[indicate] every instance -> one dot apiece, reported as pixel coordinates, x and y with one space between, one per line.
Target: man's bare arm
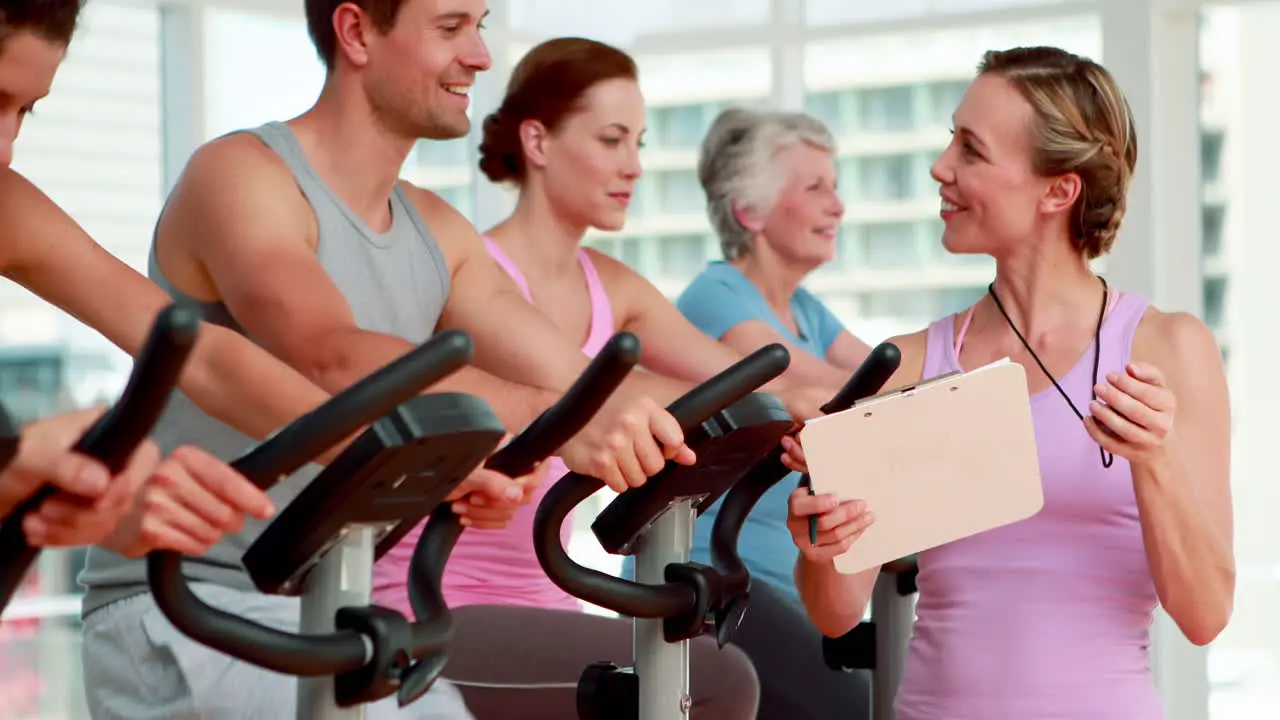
513 339
631 436
238 213
227 376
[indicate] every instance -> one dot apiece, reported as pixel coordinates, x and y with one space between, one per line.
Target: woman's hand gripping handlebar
623 596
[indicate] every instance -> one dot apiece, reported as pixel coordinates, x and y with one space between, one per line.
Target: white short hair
736 166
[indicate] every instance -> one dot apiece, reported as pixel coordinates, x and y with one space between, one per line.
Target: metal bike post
893 615
662 667
342 578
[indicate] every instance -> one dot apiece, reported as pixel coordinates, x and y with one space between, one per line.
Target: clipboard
936 462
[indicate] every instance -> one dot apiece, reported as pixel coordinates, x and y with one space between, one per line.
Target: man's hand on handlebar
45 458
627 442
188 503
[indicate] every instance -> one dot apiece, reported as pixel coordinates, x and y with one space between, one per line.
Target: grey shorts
137 666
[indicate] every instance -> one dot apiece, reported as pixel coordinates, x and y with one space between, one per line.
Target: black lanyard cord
1107 457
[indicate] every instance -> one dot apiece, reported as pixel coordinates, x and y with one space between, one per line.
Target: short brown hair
53 20
547 85
320 22
1084 125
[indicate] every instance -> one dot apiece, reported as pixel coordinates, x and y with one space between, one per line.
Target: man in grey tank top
301 236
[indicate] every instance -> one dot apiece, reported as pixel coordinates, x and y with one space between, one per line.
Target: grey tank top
396 282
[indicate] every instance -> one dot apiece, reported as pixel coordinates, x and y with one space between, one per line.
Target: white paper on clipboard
939 461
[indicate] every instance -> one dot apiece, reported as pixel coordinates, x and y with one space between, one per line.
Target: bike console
391 477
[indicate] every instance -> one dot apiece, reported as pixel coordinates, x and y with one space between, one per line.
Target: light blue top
717 300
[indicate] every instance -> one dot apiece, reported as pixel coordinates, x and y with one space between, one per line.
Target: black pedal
855 650
907 583
728 617
392 476
608 692
904 571
728 446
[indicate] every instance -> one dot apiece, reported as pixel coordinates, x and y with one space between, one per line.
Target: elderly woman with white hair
770 181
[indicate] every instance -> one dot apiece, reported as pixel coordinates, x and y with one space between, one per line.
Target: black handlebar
559 423
113 438
736 382
305 438
738 503
624 596
367 400
868 379
546 434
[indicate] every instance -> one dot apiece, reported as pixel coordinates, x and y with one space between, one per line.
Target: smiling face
589 165
993 199
28 63
802 224
991 196
418 75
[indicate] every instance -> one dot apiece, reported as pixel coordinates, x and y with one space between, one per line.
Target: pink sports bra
498 567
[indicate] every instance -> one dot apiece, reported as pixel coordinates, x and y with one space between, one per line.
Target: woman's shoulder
807 299
914 341
614 274
911 348
719 272
604 262
1177 337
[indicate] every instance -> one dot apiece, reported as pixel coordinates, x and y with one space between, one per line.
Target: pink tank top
1048 618
498 567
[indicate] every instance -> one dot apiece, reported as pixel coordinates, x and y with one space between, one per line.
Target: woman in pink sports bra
1049 618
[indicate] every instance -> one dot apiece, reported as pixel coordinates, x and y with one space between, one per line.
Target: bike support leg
342 578
662 667
893 614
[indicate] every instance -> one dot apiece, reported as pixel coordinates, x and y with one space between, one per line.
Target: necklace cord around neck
1107 458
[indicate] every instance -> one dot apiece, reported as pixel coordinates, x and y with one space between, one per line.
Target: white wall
1252 227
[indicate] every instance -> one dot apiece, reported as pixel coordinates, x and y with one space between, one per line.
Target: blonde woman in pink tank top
1049 618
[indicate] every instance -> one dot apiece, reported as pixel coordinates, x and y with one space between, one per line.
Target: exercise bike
323 545
736 433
